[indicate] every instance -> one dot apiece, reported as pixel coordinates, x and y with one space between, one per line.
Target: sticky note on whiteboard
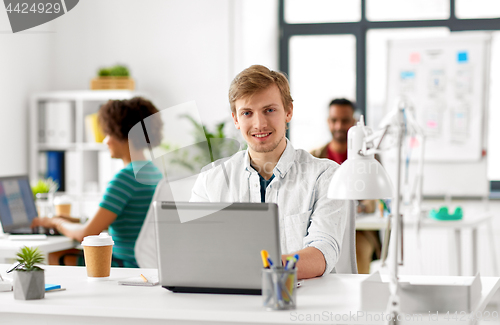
462 57
415 57
404 75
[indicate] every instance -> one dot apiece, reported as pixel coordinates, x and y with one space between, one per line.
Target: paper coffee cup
62 205
98 251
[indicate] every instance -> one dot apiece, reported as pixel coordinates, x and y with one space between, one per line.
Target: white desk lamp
361 177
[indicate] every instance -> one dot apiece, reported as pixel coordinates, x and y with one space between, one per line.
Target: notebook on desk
17 205
215 247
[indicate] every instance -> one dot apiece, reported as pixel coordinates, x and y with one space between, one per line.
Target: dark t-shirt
263 186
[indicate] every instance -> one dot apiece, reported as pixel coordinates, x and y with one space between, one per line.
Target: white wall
177 51
255 35
25 67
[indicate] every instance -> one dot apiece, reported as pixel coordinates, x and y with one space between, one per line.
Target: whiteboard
446 80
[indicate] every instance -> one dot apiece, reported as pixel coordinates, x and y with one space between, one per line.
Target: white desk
375 222
109 303
9 248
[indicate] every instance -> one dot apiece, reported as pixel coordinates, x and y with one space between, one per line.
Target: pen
296 259
291 262
265 256
144 278
270 262
290 281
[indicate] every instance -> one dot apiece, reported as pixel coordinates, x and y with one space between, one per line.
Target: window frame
360 29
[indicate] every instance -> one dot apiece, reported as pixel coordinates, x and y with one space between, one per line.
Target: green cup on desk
279 290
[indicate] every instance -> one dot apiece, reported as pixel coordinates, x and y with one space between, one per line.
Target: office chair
347 259
146 251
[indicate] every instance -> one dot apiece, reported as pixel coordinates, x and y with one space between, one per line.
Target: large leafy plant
28 257
194 157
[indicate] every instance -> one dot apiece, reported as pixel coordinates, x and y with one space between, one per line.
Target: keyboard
28 237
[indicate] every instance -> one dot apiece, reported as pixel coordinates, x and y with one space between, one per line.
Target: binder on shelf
93 131
55 167
72 169
42 165
42 136
107 168
59 122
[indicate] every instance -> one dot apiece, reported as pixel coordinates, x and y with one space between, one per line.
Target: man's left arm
323 241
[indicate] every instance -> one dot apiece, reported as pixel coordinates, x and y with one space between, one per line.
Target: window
393 10
314 26
321 68
467 9
322 11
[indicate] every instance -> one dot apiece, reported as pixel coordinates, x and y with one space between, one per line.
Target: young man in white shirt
271 170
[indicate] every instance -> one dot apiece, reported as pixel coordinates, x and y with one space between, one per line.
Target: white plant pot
29 285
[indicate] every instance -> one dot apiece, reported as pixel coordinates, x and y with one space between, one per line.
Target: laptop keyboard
30 231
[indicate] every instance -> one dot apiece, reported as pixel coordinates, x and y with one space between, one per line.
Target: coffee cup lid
62 200
102 240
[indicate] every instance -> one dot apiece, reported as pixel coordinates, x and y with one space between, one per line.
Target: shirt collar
283 165
286 160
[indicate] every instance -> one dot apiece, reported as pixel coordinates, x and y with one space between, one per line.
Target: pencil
144 278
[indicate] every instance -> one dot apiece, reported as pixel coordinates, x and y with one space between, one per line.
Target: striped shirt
129 195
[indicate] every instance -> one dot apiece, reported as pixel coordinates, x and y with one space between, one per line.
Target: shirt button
256 185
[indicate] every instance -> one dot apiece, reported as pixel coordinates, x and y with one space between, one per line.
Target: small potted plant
29 279
115 77
43 191
44 186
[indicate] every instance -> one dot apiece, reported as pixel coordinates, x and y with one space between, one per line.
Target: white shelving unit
86 178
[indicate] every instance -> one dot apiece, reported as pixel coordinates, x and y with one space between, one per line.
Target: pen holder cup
279 288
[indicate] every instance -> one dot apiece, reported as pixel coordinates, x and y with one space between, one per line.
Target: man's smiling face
262 119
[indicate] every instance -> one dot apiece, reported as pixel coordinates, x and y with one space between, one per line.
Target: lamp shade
360 177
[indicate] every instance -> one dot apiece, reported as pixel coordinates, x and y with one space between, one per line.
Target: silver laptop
17 205
215 247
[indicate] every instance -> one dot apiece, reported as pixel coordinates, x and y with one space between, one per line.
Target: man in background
340 119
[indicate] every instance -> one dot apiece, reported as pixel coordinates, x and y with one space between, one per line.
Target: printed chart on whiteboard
446 81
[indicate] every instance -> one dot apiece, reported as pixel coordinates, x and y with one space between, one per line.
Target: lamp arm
393 306
376 135
371 152
419 181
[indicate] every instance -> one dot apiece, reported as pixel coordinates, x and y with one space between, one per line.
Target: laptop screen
17 206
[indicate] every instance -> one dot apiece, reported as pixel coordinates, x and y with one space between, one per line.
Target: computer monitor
17 205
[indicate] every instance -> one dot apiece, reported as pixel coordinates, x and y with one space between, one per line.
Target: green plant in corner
28 257
194 159
201 134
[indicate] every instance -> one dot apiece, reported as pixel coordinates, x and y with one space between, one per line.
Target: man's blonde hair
257 78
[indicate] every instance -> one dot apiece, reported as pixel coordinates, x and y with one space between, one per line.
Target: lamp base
423 295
